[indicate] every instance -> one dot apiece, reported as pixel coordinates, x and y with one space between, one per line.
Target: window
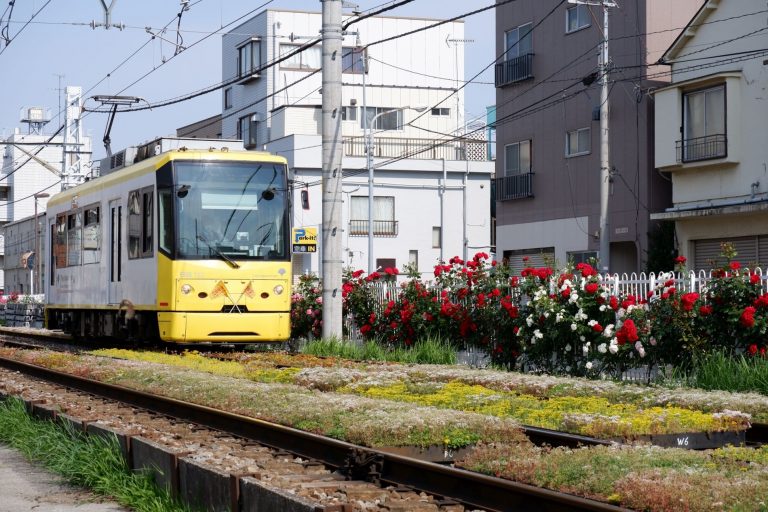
228 97
60 241
140 223
441 111
165 220
349 113
704 124
437 237
518 41
578 142
517 158
309 59
353 60
388 118
4 193
91 234
576 257
413 258
74 238
247 130
249 58
576 18
384 223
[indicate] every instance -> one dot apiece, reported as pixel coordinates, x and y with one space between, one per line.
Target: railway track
472 490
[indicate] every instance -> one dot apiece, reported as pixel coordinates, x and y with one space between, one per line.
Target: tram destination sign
303 240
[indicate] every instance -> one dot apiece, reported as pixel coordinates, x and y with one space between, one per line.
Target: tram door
115 251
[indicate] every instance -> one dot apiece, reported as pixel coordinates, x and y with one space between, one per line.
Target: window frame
520 170
253 130
251 71
358 55
514 52
568 153
300 55
378 123
141 223
705 90
440 111
576 8
227 98
92 220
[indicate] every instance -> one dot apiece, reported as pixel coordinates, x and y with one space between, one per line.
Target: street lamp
369 124
36 276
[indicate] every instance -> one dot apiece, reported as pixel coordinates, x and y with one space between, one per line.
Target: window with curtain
517 158
704 124
309 59
705 113
518 41
383 215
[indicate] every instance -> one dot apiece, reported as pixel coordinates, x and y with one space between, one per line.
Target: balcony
514 70
517 186
380 228
702 148
420 149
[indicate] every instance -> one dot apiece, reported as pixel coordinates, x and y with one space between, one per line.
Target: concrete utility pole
332 171
604 255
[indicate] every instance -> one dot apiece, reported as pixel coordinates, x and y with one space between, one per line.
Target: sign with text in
303 240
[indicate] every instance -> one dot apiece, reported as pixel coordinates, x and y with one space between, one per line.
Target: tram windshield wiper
232 263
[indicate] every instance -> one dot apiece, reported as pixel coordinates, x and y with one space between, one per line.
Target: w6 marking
682 441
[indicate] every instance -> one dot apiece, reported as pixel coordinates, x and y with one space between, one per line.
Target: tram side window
60 241
165 221
140 228
74 238
91 235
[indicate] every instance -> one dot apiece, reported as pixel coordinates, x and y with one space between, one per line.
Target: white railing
691 281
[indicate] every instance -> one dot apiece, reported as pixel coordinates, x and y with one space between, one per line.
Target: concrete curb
194 483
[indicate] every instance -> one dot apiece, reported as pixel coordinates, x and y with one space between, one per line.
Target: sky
59 48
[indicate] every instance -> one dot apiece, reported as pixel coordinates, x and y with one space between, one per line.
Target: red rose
688 299
705 310
747 318
597 328
752 349
734 265
591 288
680 260
365 329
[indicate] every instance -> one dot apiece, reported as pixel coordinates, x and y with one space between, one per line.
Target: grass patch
728 373
87 461
427 351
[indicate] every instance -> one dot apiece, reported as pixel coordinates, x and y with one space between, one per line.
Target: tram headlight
186 289
278 289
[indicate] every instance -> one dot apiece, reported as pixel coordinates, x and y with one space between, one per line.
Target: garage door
539 257
751 251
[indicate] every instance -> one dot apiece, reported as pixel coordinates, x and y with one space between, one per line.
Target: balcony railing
514 70
420 149
702 148
380 228
517 186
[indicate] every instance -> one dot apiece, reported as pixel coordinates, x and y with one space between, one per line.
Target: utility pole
605 163
332 171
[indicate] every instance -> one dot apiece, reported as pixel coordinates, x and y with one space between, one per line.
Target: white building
31 167
431 200
711 125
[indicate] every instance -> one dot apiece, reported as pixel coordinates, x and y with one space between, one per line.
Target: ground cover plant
427 351
643 478
603 410
93 462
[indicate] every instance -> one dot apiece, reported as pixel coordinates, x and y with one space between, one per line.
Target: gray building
548 129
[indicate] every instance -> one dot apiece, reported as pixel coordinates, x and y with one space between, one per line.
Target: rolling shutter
751 251
539 257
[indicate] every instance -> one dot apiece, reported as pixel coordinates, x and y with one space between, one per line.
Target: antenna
456 42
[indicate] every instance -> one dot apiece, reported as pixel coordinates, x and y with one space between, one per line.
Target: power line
9 41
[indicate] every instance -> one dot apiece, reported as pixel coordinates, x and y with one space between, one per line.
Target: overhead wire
9 41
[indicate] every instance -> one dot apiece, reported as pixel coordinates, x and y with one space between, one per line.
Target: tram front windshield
231 211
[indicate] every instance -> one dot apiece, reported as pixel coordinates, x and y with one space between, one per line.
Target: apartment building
431 197
548 167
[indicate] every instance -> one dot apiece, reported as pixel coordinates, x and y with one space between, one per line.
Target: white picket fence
692 281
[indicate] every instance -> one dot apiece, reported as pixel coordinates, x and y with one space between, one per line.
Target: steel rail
472 489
